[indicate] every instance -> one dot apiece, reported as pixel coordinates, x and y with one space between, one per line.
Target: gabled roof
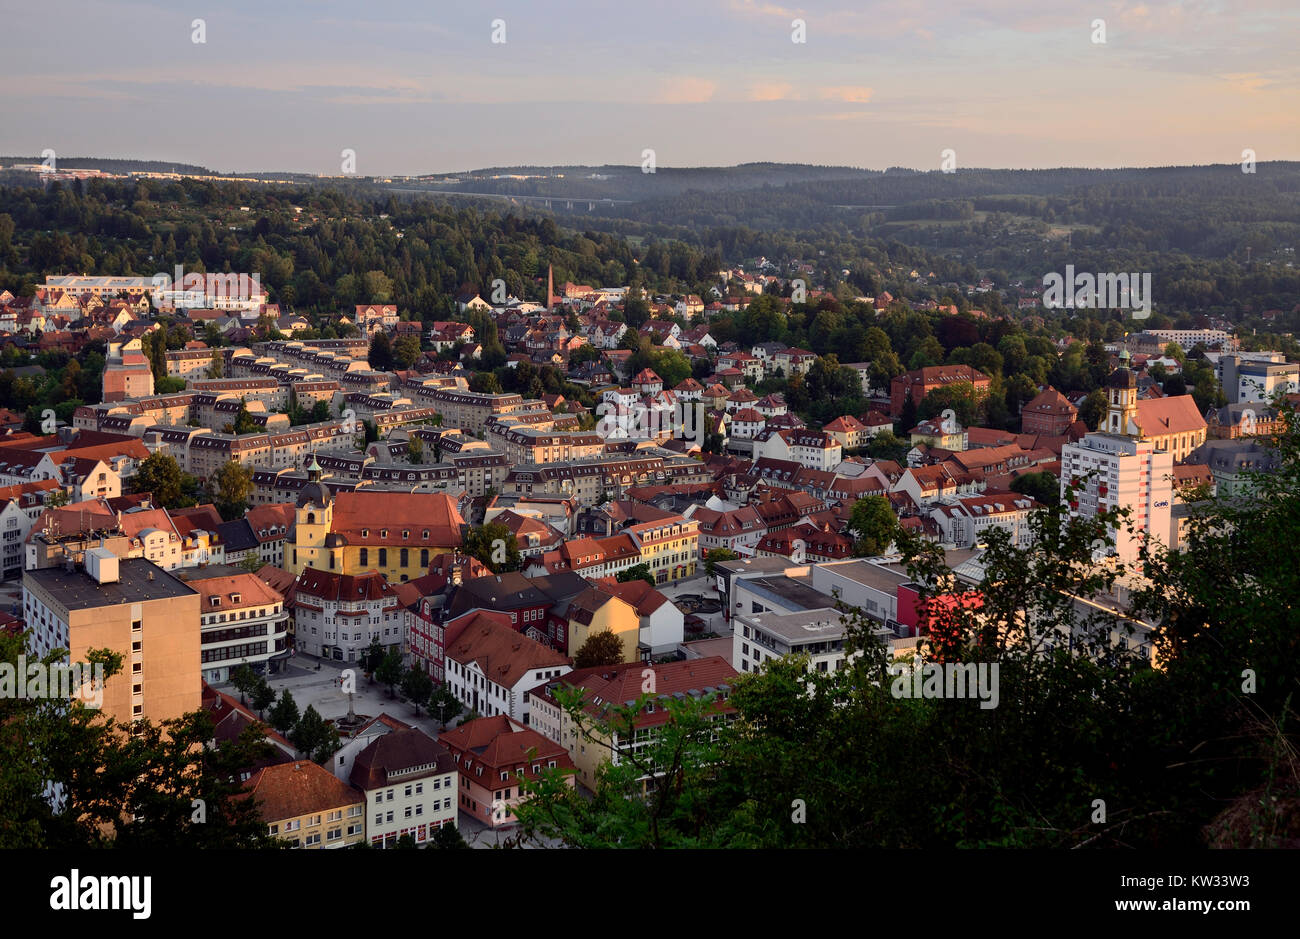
1172 415
397 752
502 654
289 790
499 743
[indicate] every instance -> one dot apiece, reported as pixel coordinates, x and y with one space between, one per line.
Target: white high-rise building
1117 468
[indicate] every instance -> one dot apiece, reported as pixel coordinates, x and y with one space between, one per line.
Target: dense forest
1216 244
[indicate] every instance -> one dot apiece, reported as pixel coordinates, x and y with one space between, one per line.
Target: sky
419 86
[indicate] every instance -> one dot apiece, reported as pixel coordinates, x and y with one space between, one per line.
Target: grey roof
237 535
821 624
139 580
796 591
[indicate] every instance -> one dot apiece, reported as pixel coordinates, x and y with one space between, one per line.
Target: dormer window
215 601
383 533
365 533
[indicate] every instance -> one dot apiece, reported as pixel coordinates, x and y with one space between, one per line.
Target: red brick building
1050 413
922 381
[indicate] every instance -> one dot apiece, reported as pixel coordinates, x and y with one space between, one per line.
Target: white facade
480 693
818 634
663 629
411 803
1114 471
963 522
344 630
240 634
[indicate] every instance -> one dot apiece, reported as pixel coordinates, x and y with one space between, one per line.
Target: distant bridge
548 201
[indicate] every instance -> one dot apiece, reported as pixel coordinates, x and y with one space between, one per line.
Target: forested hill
107 165
1217 241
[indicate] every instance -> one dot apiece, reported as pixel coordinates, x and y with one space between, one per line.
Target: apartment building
134 608
244 621
920 382
490 665
337 616
409 783
493 755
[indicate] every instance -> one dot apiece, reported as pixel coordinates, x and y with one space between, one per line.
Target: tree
417 686
56 499
314 737
405 351
718 554
389 671
233 485
415 450
636 572
447 837
262 696
245 680
284 715
1093 410
886 446
602 648
444 705
380 355
494 544
244 422
959 397
1042 487
873 522
218 365
372 657
252 563
160 474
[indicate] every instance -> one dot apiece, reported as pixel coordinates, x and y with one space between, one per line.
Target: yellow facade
400 559
616 616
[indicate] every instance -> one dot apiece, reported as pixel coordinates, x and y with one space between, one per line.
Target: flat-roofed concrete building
134 608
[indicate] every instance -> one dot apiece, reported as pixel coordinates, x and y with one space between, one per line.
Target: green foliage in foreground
1089 745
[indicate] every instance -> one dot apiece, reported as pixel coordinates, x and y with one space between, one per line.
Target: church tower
312 544
1121 392
550 288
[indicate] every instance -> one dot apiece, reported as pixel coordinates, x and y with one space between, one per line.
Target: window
383 557
313 840
365 556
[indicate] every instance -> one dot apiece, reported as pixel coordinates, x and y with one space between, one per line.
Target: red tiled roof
289 790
